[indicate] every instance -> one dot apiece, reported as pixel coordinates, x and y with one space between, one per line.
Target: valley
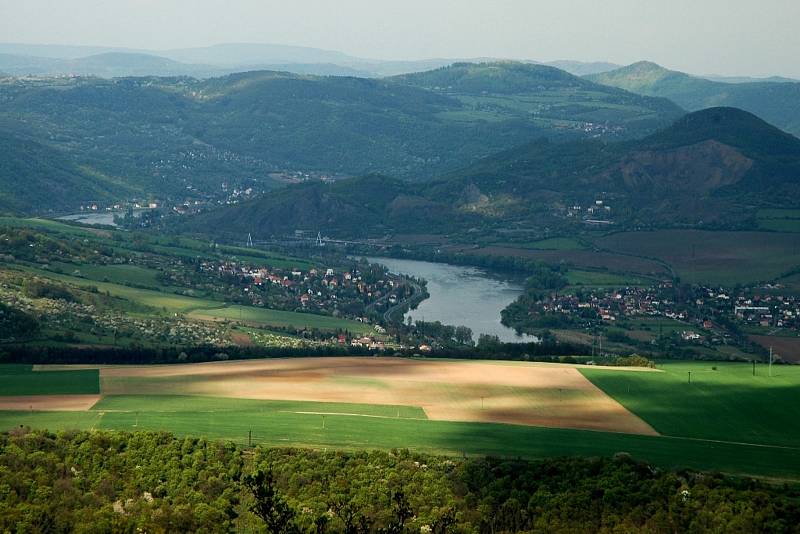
251 287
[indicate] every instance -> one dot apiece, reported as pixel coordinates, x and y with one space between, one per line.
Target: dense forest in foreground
156 482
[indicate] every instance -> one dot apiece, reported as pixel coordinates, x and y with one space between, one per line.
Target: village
353 293
710 313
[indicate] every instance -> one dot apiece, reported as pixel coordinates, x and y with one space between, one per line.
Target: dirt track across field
504 392
51 403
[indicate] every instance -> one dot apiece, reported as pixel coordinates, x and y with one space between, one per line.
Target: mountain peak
496 76
645 66
731 126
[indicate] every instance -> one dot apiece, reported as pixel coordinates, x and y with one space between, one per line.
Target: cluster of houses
598 211
778 311
613 304
702 308
322 290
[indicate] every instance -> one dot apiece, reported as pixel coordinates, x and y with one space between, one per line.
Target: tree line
98 481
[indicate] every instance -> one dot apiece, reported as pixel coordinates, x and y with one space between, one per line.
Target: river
99 217
91 217
461 296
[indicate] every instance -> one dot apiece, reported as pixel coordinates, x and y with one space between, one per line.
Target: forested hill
714 166
35 178
545 93
170 135
777 102
373 205
155 482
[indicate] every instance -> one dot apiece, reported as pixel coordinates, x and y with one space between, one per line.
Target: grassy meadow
714 257
726 404
21 380
354 427
779 220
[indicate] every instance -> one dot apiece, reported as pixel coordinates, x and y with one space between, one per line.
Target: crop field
715 257
722 421
649 328
21 380
603 279
556 243
544 395
727 403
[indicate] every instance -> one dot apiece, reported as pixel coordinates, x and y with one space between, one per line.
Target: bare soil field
513 392
50 403
788 348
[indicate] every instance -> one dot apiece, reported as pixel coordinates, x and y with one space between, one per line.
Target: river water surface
461 296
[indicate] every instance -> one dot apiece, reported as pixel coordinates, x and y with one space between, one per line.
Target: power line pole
770 362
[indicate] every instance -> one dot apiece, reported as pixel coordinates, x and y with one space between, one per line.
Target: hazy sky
747 37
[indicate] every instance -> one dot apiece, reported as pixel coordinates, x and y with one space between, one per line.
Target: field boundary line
358 415
740 443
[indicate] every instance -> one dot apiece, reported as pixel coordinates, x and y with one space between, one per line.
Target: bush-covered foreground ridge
155 482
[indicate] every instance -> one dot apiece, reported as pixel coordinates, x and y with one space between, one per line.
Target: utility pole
769 372
250 438
754 368
690 377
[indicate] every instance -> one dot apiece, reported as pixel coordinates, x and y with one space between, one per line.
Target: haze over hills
712 167
167 136
775 102
227 58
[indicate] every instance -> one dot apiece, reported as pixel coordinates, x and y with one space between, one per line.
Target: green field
729 404
243 409
116 274
556 243
48 225
779 220
724 258
21 380
273 423
266 317
725 420
602 278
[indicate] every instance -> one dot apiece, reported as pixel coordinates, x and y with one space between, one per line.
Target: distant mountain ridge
227 58
775 102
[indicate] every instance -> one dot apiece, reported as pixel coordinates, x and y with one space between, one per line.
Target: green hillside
777 102
715 166
548 95
169 135
35 178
